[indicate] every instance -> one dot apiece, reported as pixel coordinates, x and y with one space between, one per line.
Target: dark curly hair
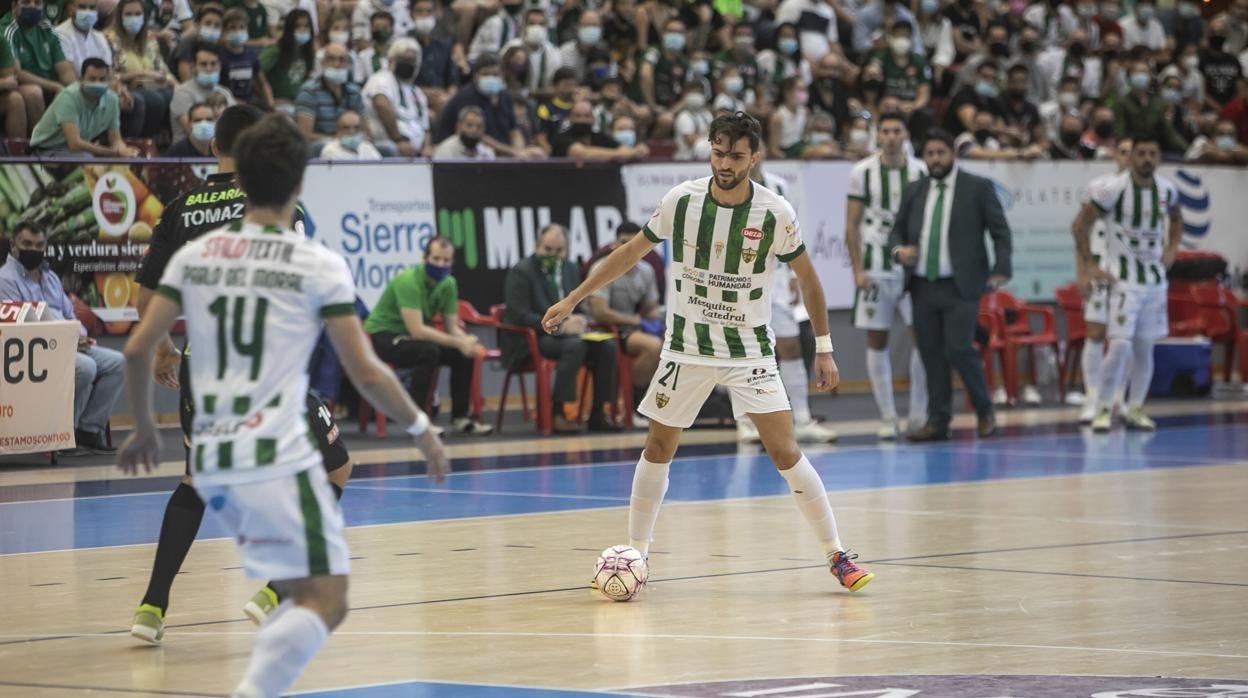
734 127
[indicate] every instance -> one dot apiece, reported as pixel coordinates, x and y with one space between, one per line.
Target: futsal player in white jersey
1145 225
727 235
1096 296
254 295
875 185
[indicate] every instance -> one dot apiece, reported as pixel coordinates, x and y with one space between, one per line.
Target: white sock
812 501
918 391
793 375
1141 370
881 373
282 650
1112 372
649 486
1093 357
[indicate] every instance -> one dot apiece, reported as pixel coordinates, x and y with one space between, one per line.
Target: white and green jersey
254 298
1136 220
879 188
719 276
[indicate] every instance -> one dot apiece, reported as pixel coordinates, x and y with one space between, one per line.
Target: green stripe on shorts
313 527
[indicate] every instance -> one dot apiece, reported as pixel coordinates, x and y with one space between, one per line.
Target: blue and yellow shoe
849 574
149 624
261 605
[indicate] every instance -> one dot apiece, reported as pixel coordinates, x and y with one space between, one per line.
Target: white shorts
1137 312
678 390
288 527
1096 305
877 306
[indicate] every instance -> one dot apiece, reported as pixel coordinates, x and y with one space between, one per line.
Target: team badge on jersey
661 399
748 255
719 249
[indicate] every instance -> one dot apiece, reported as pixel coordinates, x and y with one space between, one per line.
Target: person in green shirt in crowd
42 69
13 96
742 56
1140 111
80 114
289 63
662 75
907 77
401 327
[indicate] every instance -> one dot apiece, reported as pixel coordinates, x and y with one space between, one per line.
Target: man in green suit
536 283
938 236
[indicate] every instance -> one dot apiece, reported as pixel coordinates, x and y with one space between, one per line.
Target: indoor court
1045 562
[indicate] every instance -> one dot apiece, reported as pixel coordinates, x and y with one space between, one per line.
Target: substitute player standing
875 185
1145 224
254 295
727 236
200 211
1096 296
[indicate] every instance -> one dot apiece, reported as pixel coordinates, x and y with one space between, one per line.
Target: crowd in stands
630 79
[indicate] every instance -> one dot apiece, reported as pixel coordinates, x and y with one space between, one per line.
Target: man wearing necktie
938 236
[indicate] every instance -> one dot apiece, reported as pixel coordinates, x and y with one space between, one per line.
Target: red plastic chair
1220 311
995 346
542 368
1184 314
1019 334
1070 301
17 147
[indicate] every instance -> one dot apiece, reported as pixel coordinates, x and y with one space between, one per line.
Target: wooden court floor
1045 552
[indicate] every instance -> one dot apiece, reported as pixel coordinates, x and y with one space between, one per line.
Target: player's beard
729 180
1146 170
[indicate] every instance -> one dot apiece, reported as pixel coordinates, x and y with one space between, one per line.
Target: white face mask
1068 100
425 25
341 37
535 35
900 45
859 137
695 101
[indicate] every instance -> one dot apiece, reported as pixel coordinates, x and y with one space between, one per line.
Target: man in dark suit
938 236
535 284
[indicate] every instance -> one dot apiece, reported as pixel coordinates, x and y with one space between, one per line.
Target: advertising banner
1215 206
493 212
37 381
378 216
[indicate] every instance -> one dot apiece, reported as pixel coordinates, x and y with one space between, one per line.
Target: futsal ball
620 572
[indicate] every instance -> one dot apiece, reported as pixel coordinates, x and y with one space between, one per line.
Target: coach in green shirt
40 59
404 336
80 114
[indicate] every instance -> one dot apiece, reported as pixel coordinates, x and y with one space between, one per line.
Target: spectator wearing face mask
142 70
43 71
348 142
381 33
878 14
982 143
439 72
577 139
398 113
968 27
1220 68
1142 112
209 19
202 85
742 59
323 99
1236 111
1066 100
936 37
465 143
1188 65
816 19
574 53
1186 24
1072 62
858 138
552 112
79 115
1086 13
486 93
1021 118
202 123
1054 20
288 63
979 97
1178 110
829 92
362 25
1099 138
240 64
1222 146
729 89
662 73
1142 28
544 57
906 76
782 60
494 31
79 38
994 48
788 122
257 22
1065 145
692 125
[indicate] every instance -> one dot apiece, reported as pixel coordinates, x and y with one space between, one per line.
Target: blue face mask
983 88
628 138
929 7
1225 142
94 90
85 19
589 34
207 80
1140 81
29 16
210 36
336 76
303 37
132 24
435 272
203 131
352 141
787 46
674 41
237 38
490 85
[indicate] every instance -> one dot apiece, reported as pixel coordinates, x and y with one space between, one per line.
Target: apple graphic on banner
114 205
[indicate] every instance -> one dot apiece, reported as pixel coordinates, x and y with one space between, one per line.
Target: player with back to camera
255 294
727 236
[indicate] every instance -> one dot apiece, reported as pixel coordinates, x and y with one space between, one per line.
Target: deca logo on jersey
752 234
